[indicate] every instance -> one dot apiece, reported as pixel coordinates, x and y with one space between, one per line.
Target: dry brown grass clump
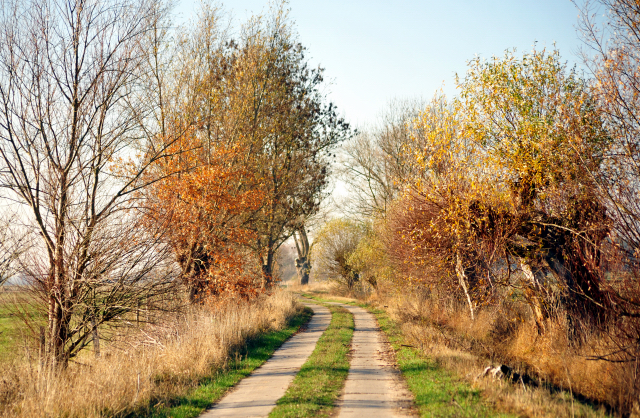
319 287
162 362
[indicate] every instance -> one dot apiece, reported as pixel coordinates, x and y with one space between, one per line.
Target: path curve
256 395
374 387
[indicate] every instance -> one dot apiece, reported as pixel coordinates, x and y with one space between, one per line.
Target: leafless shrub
73 156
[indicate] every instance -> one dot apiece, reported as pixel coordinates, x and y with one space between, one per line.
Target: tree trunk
96 338
302 267
58 335
303 264
267 276
462 279
532 294
267 268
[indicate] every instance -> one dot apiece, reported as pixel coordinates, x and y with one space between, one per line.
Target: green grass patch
13 331
211 389
9 332
317 386
437 391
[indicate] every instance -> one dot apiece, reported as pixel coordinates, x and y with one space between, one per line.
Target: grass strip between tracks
437 391
258 351
316 387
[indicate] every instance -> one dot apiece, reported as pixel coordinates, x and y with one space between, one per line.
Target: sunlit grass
212 388
13 332
160 367
437 391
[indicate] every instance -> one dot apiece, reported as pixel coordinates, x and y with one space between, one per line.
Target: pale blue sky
374 51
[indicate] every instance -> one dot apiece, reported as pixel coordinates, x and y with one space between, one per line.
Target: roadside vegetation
255 352
158 366
449 381
438 392
503 222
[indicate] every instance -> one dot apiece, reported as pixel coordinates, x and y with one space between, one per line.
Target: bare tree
613 56
612 53
376 161
14 242
74 157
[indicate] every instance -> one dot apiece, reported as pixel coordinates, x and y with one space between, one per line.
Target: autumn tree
206 208
292 131
428 232
333 247
542 129
204 211
73 157
254 155
505 182
370 257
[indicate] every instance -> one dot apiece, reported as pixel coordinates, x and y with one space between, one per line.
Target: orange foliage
205 209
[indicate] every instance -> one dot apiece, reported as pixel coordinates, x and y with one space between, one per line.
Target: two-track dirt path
256 395
374 387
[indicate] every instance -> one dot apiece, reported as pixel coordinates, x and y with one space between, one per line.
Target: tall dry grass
444 330
158 363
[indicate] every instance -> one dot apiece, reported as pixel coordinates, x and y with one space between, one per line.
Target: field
14 336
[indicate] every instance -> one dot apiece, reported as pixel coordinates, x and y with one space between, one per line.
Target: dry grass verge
562 372
446 334
161 363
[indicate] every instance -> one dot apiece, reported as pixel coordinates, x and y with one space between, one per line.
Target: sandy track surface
256 395
374 387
